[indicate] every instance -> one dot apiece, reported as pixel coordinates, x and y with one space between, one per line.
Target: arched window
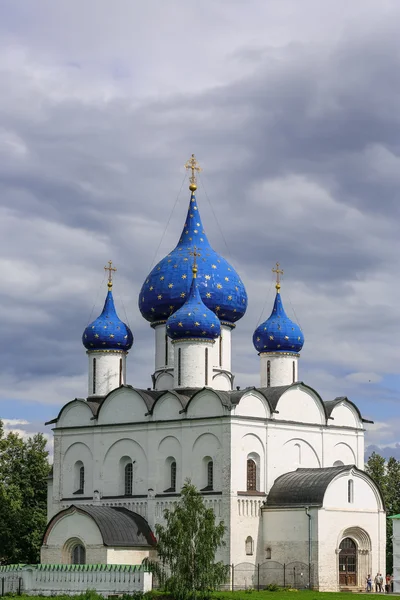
249 545
128 479
338 463
79 477
210 474
206 366
268 553
251 475
78 555
350 491
294 371
173 476
94 376
297 454
179 366
268 373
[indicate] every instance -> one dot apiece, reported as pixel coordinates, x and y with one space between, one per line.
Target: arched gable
253 404
78 452
123 405
365 495
76 413
167 406
345 414
205 403
301 404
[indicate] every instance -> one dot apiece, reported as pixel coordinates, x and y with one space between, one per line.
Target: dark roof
303 487
330 405
119 527
229 399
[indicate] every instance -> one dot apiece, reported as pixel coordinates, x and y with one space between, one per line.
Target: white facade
278 369
107 371
396 554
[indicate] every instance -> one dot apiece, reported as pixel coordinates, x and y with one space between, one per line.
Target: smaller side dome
193 320
108 332
278 333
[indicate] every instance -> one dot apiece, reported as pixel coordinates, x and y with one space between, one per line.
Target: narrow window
94 376
173 476
179 366
128 479
78 556
166 350
294 371
249 545
220 350
350 491
206 366
120 371
251 475
81 479
210 475
268 553
268 373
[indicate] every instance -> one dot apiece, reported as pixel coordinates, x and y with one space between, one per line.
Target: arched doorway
347 562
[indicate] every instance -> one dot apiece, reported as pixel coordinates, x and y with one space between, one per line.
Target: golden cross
194 166
110 270
278 272
195 254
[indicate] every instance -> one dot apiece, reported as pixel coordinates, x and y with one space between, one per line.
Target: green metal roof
41 567
394 517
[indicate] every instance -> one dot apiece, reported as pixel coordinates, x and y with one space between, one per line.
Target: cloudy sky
292 109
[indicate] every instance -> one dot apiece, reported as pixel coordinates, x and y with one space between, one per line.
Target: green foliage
24 469
387 476
186 548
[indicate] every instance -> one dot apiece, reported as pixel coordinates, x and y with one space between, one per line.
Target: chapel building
283 468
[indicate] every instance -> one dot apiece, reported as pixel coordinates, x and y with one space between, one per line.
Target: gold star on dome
185 259
171 307
229 297
226 278
286 337
271 337
151 288
180 324
190 239
96 335
204 315
183 294
105 326
203 333
125 337
184 276
207 276
195 231
194 207
196 324
298 339
208 295
147 281
187 231
175 266
258 339
159 296
152 309
191 216
201 239
212 325
217 308
189 314
219 286
213 266
92 326
170 285
111 335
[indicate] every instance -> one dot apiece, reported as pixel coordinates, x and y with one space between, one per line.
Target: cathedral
281 466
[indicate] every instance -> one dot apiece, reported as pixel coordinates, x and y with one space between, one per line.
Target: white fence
53 580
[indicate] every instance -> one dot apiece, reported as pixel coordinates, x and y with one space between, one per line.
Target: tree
24 469
387 476
186 548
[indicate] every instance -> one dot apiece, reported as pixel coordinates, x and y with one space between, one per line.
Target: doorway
347 563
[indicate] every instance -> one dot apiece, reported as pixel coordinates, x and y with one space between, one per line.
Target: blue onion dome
193 320
278 333
167 287
108 332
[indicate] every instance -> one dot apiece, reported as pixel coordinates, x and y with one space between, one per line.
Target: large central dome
167 287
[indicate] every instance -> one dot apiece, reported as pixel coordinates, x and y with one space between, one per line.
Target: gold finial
278 272
195 254
194 166
110 270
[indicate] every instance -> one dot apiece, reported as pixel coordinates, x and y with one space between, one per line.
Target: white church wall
353 492
301 406
252 404
248 441
127 556
206 448
122 406
77 454
116 457
76 414
344 445
278 369
169 451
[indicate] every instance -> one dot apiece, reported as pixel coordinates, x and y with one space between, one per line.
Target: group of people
378 581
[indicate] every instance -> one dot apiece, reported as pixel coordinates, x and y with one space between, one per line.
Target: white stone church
283 468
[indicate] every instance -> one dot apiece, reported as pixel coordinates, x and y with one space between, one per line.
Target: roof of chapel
119 527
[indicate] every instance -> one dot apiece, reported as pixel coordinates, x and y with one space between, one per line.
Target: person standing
376 582
387 584
369 583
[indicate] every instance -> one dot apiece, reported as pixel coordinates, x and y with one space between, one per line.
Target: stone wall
54 580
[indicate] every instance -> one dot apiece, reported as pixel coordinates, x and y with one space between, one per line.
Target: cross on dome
194 166
110 270
278 272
